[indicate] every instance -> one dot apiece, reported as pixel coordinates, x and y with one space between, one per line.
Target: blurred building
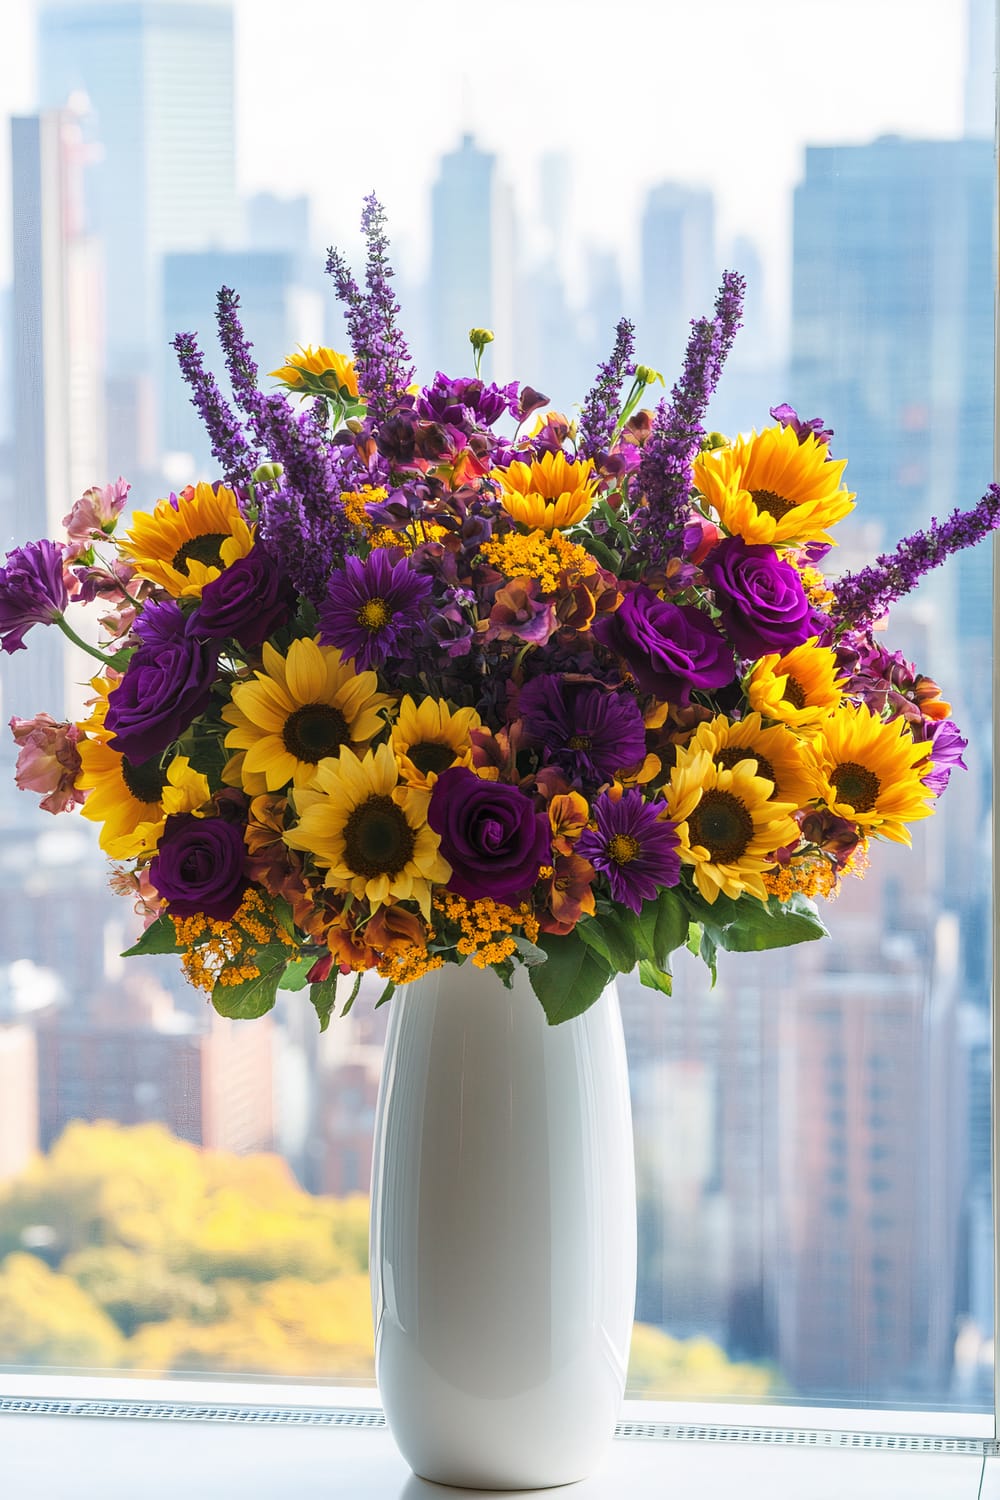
677 270
57 368
347 1091
158 77
472 262
18 1097
131 1056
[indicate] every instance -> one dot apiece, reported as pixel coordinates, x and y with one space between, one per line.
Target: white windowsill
108 1458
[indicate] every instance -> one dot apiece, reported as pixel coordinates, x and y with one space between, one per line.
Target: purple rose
490 834
764 606
199 866
249 601
167 683
32 591
669 649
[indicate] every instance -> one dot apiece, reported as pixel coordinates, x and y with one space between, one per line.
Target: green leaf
615 934
664 925
707 950
572 977
355 987
693 943
776 924
296 976
283 916
323 995
386 994
654 978
528 952
252 998
159 937
603 554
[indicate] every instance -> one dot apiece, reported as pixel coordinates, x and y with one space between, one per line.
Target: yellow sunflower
549 492
867 770
322 371
778 754
800 688
428 737
184 546
728 825
369 832
769 487
300 709
133 800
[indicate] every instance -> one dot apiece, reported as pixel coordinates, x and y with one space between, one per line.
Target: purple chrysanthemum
589 732
370 606
32 591
634 848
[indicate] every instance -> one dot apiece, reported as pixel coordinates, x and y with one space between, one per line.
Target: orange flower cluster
224 953
488 927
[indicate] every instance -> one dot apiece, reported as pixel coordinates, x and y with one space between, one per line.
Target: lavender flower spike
864 597
665 471
381 357
230 447
238 350
600 410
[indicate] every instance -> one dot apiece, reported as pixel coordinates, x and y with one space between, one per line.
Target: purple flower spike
866 596
600 410
673 444
634 848
32 591
588 732
371 606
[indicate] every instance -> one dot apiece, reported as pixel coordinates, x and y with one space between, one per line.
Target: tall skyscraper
158 75
677 269
472 262
59 417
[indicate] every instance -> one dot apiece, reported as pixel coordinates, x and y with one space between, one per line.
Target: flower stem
71 635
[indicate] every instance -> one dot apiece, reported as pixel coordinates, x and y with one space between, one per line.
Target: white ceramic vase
503 1252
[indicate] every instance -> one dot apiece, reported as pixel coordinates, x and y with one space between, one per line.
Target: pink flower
48 761
95 514
137 884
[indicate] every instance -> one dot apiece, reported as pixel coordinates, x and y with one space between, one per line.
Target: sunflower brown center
144 779
731 755
314 731
856 785
722 825
431 758
580 742
623 848
205 549
377 838
374 614
794 693
774 505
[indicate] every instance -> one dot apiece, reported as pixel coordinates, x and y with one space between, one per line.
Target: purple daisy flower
371 606
32 591
634 848
589 732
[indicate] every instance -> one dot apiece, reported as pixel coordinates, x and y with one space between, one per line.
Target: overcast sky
334 99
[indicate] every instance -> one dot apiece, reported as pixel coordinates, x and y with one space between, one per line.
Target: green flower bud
714 440
648 375
268 473
480 337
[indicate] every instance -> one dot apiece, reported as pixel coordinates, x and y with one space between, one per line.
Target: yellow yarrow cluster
356 502
488 927
814 877
537 556
409 964
223 953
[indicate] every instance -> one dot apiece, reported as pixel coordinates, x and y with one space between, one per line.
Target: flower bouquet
435 674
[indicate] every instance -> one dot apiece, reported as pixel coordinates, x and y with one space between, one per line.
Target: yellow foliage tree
47 1319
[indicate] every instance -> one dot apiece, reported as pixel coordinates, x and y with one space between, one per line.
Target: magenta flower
670 649
634 848
371 607
199 866
48 761
32 591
